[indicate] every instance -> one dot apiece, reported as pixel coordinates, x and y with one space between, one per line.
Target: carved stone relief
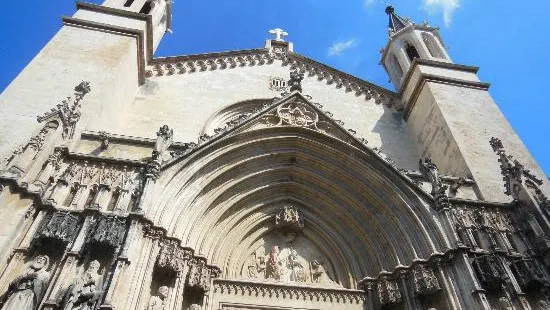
299 114
62 226
108 230
172 256
425 281
388 291
286 257
85 291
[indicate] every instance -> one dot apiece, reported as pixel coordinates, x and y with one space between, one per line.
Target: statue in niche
157 302
84 293
319 273
26 291
295 268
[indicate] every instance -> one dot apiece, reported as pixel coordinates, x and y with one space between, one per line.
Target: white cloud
338 48
368 2
447 6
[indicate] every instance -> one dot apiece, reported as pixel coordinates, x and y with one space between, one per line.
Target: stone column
52 164
151 174
477 291
121 264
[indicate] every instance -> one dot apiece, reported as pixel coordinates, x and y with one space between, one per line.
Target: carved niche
108 230
490 272
62 226
200 274
529 274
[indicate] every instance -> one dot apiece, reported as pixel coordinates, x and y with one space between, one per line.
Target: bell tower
108 45
449 110
408 41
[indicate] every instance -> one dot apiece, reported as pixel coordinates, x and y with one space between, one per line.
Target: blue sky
508 40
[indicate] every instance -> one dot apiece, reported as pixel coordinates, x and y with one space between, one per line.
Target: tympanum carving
289 217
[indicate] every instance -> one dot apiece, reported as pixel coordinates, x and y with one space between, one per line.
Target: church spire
396 22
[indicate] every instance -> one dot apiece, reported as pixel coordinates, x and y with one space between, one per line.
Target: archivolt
361 214
228 113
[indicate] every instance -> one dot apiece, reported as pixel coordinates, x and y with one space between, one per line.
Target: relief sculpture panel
288 257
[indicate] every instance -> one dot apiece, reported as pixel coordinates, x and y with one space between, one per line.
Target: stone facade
260 179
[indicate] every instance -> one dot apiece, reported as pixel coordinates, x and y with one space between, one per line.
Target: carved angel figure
157 302
319 273
85 291
26 291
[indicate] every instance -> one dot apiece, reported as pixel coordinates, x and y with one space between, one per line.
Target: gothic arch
360 214
231 112
431 44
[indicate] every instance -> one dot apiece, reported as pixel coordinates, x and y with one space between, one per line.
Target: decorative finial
279 34
295 82
389 10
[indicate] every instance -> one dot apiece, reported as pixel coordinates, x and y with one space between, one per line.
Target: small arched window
411 51
432 46
397 66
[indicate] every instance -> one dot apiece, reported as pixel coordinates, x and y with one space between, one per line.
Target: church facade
260 179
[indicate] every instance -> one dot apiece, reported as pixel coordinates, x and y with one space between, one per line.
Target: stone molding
173 254
134 33
258 57
284 291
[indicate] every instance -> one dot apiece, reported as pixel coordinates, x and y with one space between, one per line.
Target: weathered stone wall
186 103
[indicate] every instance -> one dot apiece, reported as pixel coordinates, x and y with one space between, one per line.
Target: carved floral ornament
69 110
286 292
253 58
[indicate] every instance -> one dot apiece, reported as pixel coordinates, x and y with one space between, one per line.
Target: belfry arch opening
412 52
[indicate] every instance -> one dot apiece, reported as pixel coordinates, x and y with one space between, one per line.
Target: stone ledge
289 291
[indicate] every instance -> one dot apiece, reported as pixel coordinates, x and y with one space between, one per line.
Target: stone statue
318 272
295 268
256 268
165 136
505 304
157 302
85 291
273 268
194 307
26 291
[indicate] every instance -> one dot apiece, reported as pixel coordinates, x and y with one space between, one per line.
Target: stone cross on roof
279 34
